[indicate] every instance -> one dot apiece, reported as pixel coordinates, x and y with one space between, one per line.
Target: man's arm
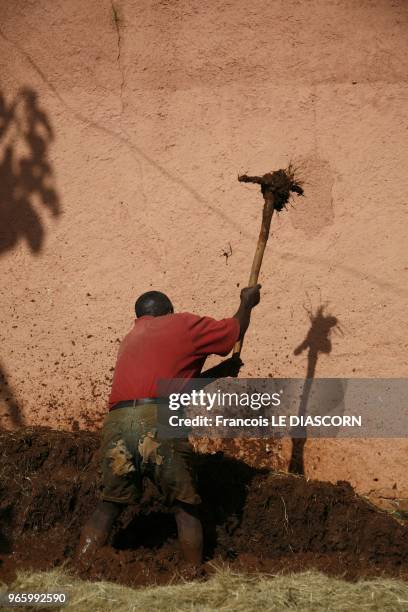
228 367
209 336
250 297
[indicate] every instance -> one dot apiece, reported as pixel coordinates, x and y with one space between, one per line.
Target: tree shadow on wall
26 176
317 341
26 189
7 396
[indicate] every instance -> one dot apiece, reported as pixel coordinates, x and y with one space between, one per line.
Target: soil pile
254 519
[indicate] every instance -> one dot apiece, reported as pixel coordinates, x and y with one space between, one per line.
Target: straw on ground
226 591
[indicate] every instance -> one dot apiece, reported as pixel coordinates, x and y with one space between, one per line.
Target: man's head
153 303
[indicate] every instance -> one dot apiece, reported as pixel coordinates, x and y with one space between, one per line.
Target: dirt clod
280 182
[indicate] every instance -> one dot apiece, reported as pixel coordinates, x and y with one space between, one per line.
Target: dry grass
226 592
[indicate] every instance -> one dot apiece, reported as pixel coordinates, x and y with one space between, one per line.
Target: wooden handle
259 252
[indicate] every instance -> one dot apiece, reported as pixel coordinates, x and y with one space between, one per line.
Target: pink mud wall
145 112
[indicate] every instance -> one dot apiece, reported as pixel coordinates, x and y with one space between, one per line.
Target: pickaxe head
280 184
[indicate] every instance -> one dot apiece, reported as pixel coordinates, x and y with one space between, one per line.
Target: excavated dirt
254 519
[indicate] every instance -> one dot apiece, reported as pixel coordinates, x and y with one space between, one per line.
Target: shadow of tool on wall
26 189
317 341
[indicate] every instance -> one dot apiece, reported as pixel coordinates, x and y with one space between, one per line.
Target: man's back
165 347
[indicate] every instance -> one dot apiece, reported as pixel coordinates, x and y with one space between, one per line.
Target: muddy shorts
132 450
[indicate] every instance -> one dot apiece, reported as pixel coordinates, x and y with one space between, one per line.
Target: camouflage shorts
131 450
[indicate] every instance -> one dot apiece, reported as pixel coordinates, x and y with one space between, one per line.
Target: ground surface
253 519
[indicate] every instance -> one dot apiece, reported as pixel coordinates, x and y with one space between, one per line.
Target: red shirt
170 346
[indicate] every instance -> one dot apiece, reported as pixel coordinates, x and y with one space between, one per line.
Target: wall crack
116 20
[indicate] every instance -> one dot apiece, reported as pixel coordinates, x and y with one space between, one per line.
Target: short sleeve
211 336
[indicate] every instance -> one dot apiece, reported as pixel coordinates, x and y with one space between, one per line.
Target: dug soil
253 519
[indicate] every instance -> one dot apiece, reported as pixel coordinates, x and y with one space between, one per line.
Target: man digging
161 345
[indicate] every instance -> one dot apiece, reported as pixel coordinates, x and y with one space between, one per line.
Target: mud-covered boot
97 530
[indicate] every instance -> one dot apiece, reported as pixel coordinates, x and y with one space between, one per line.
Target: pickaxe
276 188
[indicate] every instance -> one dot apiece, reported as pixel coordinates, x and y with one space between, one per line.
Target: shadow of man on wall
317 341
26 187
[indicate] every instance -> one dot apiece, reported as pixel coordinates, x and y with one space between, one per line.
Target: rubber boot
190 534
96 531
